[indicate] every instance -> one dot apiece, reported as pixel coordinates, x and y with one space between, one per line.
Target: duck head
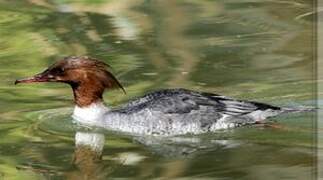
87 76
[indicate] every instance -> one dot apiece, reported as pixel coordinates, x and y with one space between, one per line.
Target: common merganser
163 112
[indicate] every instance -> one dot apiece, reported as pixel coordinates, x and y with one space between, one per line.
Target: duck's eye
58 70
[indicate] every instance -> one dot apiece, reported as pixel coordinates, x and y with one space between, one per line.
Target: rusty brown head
87 76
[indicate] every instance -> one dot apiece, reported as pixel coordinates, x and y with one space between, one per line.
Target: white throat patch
91 114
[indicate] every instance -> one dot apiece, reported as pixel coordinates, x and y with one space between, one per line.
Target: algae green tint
256 50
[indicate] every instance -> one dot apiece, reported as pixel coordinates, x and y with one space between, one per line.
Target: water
253 49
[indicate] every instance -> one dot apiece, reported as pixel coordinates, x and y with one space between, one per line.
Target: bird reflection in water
88 157
87 162
178 150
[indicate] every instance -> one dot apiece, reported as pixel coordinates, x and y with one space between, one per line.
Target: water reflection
89 147
88 157
253 49
97 154
185 147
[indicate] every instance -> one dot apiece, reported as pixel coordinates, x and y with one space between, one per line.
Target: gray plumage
181 111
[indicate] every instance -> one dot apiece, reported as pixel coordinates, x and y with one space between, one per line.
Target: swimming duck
163 112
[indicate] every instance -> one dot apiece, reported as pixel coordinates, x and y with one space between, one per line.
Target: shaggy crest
87 76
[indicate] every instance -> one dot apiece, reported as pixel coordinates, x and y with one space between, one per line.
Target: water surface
254 49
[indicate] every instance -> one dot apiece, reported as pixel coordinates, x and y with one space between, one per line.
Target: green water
253 49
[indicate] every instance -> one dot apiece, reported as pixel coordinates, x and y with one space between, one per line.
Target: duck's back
181 111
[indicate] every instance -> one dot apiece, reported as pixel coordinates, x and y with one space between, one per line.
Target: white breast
91 115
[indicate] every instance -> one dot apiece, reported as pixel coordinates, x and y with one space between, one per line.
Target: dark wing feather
237 107
184 101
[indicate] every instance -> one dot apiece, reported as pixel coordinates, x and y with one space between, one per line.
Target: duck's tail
274 111
298 109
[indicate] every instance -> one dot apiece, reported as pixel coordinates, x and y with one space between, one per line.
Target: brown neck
85 95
